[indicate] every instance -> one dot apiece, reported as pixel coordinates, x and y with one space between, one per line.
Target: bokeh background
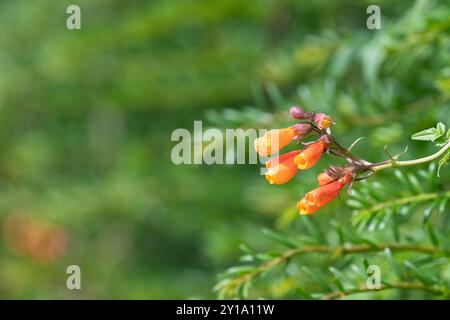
86 118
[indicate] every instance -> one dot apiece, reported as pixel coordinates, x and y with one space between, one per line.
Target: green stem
395 163
397 202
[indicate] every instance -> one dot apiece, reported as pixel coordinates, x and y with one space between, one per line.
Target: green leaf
358 270
344 262
401 177
340 235
424 278
432 172
346 232
289 242
434 240
239 270
425 135
415 184
313 230
308 240
392 262
264 256
222 284
342 277
247 258
377 190
303 293
441 128
317 296
429 210
317 279
444 160
430 134
246 249
366 263
267 256
395 230
442 205
244 289
370 242
354 204
363 198
339 285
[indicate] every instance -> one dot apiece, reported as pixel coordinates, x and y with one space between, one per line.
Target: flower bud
298 113
302 129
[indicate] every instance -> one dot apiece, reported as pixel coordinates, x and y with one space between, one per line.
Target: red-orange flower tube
310 155
282 168
276 139
317 198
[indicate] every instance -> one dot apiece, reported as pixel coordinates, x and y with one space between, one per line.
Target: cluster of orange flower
35 238
284 167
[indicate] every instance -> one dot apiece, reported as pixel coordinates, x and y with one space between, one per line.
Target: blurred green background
86 118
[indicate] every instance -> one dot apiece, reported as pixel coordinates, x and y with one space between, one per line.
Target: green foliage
383 86
445 160
433 134
86 118
440 138
292 272
417 256
377 205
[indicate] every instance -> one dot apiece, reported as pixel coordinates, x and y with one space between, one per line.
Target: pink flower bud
302 130
298 113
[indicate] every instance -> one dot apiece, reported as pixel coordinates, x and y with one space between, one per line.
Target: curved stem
402 285
395 163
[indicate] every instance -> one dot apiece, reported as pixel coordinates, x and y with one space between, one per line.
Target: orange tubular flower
310 155
317 198
282 168
266 143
